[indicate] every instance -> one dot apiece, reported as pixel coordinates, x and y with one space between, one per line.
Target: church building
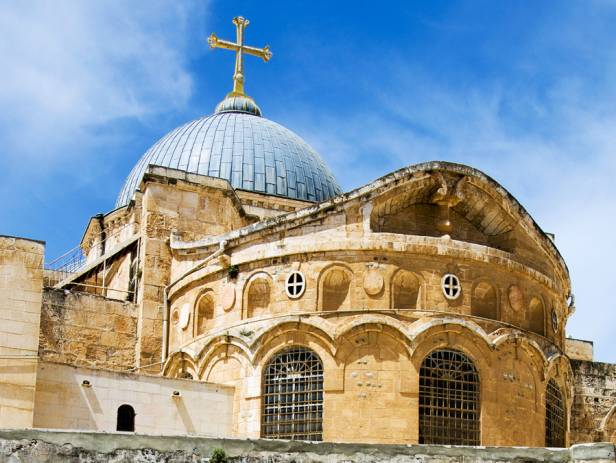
237 291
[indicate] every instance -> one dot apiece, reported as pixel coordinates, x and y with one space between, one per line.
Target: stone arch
335 284
441 329
608 426
205 311
257 295
536 316
220 347
179 364
374 368
405 290
484 300
292 333
224 365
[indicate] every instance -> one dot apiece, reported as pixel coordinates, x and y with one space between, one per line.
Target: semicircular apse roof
251 152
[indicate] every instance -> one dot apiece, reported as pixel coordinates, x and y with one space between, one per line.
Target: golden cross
239 48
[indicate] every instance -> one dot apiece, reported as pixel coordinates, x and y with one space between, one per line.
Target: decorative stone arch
293 333
485 300
257 295
406 290
224 364
212 348
179 365
336 288
607 428
532 357
381 320
428 327
528 344
536 315
559 368
451 334
320 327
358 334
204 312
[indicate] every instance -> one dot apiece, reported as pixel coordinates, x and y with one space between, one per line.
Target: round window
451 286
296 284
554 321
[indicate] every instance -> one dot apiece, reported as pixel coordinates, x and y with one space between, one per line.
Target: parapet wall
69 397
88 330
21 286
53 446
593 415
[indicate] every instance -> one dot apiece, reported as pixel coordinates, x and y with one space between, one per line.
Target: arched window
536 316
258 297
554 416
449 406
205 313
405 291
292 402
484 301
336 284
126 418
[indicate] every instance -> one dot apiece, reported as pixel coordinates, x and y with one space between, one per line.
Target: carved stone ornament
516 298
373 282
227 297
184 316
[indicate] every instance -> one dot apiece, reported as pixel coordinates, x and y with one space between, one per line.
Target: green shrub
218 456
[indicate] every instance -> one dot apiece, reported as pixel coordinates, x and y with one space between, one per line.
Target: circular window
554 321
296 284
451 286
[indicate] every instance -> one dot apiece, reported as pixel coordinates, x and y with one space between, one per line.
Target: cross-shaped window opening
295 285
451 286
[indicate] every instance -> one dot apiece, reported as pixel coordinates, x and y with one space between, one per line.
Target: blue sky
523 90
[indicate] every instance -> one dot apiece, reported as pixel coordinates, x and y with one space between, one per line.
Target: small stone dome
237 144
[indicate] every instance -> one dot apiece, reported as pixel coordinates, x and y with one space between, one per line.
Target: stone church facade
235 291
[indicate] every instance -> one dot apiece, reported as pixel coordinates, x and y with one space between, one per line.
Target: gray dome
251 152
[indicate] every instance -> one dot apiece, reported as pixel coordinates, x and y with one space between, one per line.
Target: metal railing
75 259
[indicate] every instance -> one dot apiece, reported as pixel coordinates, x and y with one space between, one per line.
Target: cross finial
239 48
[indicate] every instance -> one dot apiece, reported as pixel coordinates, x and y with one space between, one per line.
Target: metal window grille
554 416
293 396
449 405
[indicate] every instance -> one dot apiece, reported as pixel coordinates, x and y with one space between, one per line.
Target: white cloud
72 66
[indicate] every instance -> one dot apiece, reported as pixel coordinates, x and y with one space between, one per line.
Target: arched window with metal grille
555 424
449 400
292 399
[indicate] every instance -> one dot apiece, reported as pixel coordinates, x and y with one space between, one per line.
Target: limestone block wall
88 330
62 402
21 286
578 349
193 210
593 417
342 281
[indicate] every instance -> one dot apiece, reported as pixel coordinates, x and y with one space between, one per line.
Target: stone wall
45 446
63 402
21 285
85 329
593 417
579 349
